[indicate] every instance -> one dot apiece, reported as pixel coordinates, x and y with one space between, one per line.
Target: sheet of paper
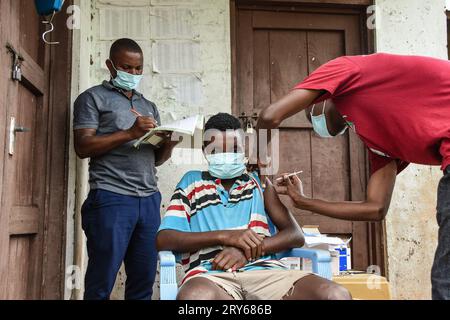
176 57
118 22
312 241
171 22
186 89
186 126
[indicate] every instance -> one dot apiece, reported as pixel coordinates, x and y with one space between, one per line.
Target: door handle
12 134
21 129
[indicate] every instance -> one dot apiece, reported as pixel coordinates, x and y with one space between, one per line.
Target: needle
289 175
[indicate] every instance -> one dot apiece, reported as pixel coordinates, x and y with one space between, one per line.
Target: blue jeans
120 228
440 273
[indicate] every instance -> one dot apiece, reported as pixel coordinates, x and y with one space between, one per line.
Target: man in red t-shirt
400 108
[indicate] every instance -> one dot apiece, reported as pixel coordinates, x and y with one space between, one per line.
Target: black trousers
440 274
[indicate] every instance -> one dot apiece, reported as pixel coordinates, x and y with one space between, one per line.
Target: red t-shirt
398 105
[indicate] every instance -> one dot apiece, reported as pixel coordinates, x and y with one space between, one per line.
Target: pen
135 112
289 175
138 114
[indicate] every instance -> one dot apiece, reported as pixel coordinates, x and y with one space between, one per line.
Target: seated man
219 220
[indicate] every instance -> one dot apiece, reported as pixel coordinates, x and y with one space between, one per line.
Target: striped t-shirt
201 204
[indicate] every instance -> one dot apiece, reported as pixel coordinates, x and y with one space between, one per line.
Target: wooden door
275 49
31 253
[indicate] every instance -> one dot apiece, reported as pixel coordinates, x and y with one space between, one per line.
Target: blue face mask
125 80
226 165
320 124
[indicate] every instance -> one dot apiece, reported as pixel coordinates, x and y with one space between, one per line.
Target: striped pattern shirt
201 204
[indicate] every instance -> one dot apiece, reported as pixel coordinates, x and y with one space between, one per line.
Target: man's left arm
289 234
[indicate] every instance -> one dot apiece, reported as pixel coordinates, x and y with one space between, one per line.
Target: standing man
121 214
400 108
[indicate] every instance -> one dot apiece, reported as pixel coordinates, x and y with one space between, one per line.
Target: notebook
184 126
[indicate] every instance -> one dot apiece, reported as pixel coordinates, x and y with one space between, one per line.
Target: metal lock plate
17 73
249 127
16 63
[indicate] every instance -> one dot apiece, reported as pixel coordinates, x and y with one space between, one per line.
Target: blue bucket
47 7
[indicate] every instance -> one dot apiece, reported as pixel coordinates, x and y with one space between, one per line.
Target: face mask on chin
226 165
125 80
320 124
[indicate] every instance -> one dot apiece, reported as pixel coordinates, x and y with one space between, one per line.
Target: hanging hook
52 27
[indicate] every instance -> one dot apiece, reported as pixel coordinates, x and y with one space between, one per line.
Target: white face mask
320 124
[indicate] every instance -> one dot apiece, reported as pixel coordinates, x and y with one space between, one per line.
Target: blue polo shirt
201 204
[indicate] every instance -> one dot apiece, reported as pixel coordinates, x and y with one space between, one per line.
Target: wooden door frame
58 159
57 121
447 12
375 231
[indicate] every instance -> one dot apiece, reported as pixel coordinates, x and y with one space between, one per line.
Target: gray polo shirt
124 170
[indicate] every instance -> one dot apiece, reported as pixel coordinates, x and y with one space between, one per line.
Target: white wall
187 52
77 177
187 56
412 27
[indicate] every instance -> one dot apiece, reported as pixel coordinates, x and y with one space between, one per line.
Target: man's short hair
223 122
124 44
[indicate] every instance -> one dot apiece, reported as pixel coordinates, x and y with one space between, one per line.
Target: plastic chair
321 265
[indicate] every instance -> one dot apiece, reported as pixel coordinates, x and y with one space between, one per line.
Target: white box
316 240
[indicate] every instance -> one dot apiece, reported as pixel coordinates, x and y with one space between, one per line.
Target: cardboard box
335 263
294 263
365 286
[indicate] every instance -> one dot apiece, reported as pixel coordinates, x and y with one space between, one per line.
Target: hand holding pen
142 125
